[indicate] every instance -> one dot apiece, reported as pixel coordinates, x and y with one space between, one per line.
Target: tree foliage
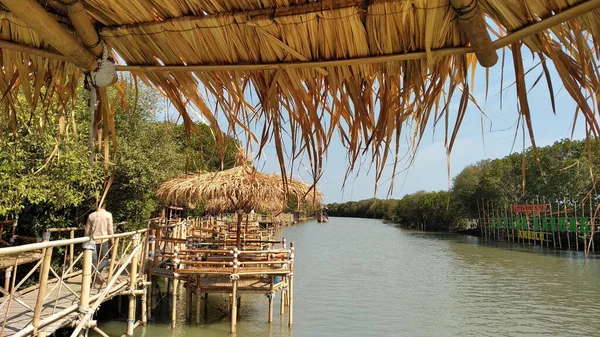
565 170
46 179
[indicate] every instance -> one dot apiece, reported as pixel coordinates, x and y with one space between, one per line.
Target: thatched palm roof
239 188
318 67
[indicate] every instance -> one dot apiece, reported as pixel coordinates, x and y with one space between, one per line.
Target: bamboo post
71 249
479 223
149 264
270 296
44 271
7 276
86 281
568 231
234 279
145 306
239 228
291 285
113 259
282 302
234 303
473 25
174 303
132 287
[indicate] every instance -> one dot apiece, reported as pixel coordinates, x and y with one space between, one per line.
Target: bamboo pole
282 300
557 225
174 304
71 248
44 271
271 296
86 281
113 259
568 231
234 304
291 286
7 276
132 286
83 26
473 25
36 17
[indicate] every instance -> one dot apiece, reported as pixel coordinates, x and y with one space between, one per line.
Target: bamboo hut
241 188
318 68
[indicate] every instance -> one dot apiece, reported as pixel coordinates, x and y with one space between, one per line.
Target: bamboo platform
20 311
207 256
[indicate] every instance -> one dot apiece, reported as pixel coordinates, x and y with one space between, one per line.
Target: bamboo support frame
36 17
42 292
174 303
84 299
132 287
291 286
473 25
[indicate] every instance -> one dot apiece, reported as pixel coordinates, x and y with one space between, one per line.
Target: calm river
357 277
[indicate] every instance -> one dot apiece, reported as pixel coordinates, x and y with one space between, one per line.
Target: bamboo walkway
60 298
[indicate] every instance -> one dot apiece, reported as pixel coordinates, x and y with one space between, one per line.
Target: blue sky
429 170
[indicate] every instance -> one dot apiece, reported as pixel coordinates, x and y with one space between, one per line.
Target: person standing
100 223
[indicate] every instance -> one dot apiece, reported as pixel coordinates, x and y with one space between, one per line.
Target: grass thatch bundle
360 69
239 188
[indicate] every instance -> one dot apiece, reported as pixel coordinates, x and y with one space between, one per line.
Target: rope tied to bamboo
464 12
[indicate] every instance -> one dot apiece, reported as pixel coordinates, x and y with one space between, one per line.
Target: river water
357 277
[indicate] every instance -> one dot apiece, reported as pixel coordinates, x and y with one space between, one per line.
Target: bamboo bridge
203 256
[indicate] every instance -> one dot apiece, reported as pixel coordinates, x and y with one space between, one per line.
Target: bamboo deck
19 316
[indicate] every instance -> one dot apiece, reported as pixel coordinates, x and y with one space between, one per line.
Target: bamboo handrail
49 244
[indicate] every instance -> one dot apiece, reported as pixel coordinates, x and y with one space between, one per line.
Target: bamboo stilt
44 271
7 276
234 306
132 287
145 307
282 302
174 303
291 286
113 259
86 280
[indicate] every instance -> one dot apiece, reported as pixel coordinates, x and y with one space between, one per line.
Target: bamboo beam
564 16
473 25
36 17
84 27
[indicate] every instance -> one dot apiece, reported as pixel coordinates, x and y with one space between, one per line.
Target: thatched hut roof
238 188
318 67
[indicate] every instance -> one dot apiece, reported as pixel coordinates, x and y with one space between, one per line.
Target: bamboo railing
126 249
199 252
